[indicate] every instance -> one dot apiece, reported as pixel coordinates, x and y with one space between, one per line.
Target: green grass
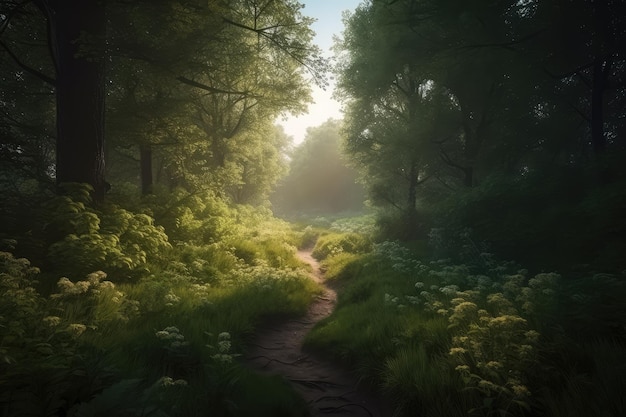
330 244
118 364
393 322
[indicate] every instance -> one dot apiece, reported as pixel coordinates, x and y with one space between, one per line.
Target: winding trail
327 388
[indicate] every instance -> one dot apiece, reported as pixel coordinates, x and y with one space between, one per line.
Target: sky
328 14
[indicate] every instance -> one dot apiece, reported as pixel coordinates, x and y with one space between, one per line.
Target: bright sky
328 14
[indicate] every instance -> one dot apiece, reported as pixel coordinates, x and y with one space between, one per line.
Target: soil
329 389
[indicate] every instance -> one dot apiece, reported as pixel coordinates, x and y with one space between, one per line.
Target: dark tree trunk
603 46
145 157
598 138
412 201
78 30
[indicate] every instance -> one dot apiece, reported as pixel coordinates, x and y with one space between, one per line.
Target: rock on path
329 390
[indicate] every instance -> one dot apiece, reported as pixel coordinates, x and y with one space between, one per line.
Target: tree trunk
598 138
145 157
412 201
78 33
603 45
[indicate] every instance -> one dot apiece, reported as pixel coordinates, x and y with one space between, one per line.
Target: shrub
335 243
84 239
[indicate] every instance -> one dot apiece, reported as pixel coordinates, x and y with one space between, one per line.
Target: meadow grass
167 343
444 339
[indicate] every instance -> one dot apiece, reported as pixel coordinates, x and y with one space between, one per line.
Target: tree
218 91
183 42
319 180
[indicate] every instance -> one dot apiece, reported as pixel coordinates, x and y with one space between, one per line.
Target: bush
83 239
335 243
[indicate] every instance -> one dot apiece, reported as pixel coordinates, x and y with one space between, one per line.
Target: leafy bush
93 347
334 243
83 239
43 364
193 218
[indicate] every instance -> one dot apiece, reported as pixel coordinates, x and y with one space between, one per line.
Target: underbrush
162 334
483 338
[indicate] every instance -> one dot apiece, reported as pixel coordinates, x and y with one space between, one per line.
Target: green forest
469 209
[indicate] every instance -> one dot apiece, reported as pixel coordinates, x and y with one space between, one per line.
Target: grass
393 323
171 340
157 345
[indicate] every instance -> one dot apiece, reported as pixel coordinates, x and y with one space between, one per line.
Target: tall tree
77 37
319 179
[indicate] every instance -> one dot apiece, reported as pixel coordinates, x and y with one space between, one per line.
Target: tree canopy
187 90
475 110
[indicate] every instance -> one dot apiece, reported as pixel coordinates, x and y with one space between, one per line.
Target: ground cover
164 338
443 338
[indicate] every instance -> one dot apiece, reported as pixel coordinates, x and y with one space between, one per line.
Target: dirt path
329 390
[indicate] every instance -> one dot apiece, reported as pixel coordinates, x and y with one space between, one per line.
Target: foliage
597 389
165 343
335 243
460 115
540 212
481 337
83 239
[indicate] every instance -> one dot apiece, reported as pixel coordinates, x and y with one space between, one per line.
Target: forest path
326 387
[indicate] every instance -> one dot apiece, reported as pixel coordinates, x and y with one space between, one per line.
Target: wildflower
520 391
65 284
171 299
167 381
462 368
413 300
465 309
163 335
172 329
106 285
457 301
419 285
81 287
532 335
457 351
223 342
76 329
95 277
224 358
501 303
525 350
506 321
449 290
52 320
493 365
487 385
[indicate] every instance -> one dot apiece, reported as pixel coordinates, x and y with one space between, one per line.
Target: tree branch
446 158
11 14
208 88
505 45
26 68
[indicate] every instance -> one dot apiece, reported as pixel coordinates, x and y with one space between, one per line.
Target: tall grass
444 339
166 343
596 389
